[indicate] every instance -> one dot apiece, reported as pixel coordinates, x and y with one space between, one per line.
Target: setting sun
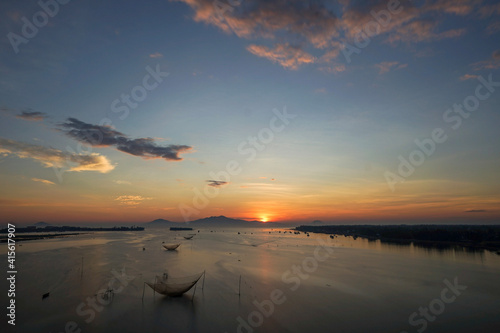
264 219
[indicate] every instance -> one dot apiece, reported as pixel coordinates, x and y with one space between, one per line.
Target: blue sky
231 70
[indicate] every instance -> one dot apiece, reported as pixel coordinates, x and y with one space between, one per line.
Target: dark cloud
32 115
104 136
216 183
475 211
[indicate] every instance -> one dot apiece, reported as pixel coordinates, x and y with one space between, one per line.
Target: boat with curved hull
171 247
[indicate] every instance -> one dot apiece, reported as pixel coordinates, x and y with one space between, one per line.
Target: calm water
289 283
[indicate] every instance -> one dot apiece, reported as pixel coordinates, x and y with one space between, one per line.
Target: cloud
45 181
122 182
293 19
131 200
51 157
317 29
493 28
422 31
386 66
492 63
475 211
457 7
293 22
290 57
216 183
156 55
468 77
32 115
489 10
104 136
333 69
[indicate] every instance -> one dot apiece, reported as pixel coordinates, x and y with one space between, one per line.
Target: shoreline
25 238
483 237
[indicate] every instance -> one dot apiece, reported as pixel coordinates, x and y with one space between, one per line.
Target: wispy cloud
307 20
104 136
51 157
492 63
475 211
493 28
131 200
386 66
288 56
333 69
489 10
422 31
457 7
302 29
156 55
122 182
216 183
45 181
468 77
32 115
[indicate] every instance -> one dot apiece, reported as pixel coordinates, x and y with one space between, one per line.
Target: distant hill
163 223
223 221
207 222
316 222
41 224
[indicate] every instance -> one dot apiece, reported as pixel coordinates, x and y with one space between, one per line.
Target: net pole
239 287
194 292
154 290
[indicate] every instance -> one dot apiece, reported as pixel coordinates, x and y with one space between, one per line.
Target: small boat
189 237
171 247
174 287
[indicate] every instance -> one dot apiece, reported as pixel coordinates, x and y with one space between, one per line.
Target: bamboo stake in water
239 287
203 284
194 292
154 291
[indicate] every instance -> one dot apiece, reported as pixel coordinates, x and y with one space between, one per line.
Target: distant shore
57 232
475 237
22 238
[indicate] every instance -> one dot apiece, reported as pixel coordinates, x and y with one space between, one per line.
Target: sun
264 219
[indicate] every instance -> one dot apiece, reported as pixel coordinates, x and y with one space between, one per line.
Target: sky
340 111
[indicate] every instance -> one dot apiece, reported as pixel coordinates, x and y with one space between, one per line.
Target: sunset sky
345 112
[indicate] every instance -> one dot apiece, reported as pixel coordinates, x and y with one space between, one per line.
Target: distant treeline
478 236
71 229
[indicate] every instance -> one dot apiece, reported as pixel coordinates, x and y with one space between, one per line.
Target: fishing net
174 286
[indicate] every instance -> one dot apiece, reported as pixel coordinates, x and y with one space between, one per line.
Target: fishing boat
174 287
171 247
189 236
